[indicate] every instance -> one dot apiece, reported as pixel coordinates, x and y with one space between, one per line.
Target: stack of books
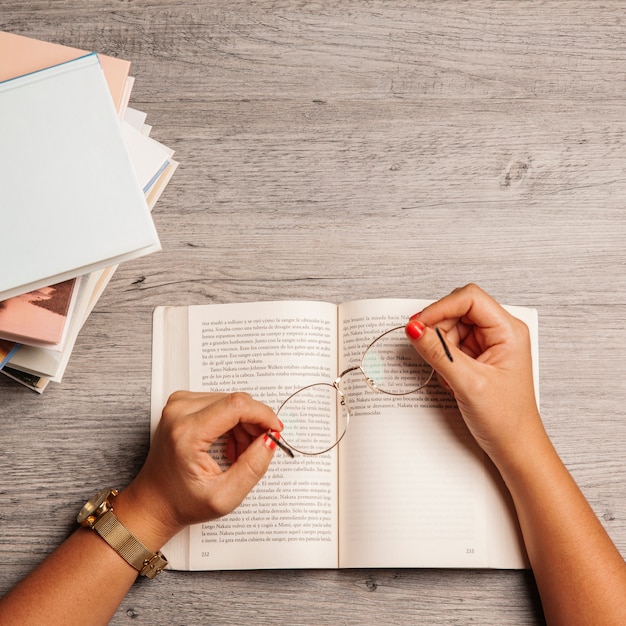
79 175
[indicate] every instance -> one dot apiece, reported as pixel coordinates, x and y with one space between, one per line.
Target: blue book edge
45 69
8 357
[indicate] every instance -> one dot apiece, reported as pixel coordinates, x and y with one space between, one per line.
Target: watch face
93 505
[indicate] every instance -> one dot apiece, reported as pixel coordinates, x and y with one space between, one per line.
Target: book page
269 350
413 483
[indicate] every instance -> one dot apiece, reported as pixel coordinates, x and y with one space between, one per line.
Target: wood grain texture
336 151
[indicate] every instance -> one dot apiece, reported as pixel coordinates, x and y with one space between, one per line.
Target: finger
236 442
244 474
230 410
239 438
468 305
434 348
187 402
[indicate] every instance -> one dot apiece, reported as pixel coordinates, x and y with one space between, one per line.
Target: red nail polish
414 317
272 439
415 329
269 441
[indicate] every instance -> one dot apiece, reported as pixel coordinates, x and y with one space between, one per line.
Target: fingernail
282 426
415 329
270 440
414 317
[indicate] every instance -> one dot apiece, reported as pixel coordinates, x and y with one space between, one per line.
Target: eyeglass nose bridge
342 397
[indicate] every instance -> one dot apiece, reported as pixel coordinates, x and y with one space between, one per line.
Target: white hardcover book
71 199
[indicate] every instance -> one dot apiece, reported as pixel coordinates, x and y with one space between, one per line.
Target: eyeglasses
390 365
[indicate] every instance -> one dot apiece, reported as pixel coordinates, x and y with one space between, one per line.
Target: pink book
38 317
22 55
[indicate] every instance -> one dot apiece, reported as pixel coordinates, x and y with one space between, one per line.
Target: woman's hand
580 574
84 581
491 372
180 482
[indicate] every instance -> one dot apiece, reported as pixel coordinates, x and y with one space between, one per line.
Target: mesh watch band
146 562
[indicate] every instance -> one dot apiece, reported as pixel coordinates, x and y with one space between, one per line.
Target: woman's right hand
492 380
491 373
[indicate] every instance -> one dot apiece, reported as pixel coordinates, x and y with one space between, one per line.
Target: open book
406 487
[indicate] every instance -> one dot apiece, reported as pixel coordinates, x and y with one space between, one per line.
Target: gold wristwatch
98 514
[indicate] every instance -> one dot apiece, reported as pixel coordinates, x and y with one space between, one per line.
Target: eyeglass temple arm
280 444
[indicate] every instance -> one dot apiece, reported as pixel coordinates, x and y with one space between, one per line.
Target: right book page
415 490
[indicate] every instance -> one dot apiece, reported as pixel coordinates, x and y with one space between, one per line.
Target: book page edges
170 372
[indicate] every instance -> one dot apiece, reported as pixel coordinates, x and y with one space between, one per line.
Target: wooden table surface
340 150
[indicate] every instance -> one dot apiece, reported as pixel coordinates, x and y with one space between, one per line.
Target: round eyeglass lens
392 365
307 416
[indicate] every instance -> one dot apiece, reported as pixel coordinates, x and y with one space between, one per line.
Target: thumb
431 345
247 470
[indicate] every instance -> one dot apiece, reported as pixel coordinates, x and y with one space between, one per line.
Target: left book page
290 519
61 146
